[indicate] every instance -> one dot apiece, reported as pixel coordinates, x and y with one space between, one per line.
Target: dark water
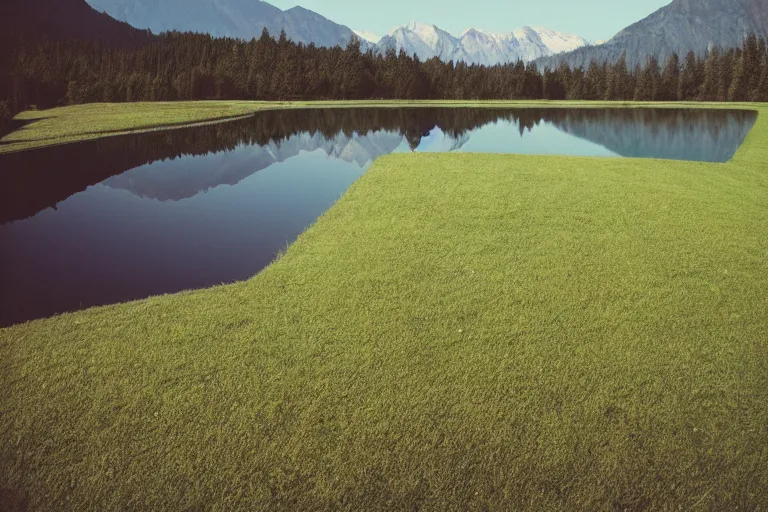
128 217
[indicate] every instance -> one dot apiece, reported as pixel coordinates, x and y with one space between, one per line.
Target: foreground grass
460 332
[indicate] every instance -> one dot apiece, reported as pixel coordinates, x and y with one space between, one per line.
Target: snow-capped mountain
476 46
424 40
367 36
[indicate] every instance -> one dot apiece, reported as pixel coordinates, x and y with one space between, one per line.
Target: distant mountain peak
244 19
477 46
480 32
420 26
680 27
424 30
368 36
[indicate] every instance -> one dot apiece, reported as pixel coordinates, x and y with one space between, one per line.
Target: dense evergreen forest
185 66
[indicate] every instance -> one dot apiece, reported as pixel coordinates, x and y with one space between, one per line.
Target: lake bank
76 123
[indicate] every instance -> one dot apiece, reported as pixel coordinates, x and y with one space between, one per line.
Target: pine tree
622 81
670 79
709 86
352 70
610 85
689 84
739 89
644 88
552 86
724 75
5 115
759 91
594 83
752 58
655 73
576 83
73 93
762 85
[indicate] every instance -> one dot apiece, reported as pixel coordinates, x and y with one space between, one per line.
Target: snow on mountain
476 46
424 40
367 36
558 42
480 47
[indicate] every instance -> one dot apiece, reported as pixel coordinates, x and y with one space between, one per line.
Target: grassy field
460 332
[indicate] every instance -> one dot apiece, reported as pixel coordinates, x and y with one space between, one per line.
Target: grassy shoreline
459 332
77 123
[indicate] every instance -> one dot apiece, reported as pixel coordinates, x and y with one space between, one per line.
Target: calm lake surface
133 216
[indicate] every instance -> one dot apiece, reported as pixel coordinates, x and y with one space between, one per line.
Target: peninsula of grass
75 123
459 332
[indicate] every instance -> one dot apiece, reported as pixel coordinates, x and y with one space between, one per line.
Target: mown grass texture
459 332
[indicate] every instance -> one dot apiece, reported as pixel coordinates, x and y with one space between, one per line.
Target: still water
129 217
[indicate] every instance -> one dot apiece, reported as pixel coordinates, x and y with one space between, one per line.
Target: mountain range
476 46
243 19
680 27
246 19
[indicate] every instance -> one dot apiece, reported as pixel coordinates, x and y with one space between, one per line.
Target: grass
81 122
459 332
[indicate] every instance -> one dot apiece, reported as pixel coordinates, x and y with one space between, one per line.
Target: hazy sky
593 19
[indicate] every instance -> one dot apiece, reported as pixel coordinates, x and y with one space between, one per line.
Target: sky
592 19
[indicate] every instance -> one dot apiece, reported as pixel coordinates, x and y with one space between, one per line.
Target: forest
41 73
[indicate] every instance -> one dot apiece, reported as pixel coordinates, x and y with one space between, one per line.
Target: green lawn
460 332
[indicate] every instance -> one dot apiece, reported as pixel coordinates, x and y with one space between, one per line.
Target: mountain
424 40
243 19
477 46
680 27
57 19
367 36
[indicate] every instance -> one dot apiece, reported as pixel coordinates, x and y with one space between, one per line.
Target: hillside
57 19
244 19
682 26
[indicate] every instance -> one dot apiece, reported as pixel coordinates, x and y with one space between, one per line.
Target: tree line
187 66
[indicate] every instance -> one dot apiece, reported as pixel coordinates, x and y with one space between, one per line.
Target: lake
128 217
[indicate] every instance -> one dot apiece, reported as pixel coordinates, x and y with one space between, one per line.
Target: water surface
127 217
